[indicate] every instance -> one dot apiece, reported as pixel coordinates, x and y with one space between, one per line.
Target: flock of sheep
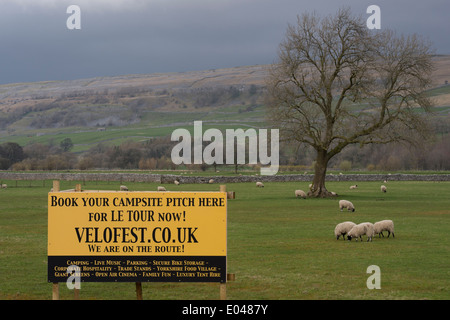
347 228
351 229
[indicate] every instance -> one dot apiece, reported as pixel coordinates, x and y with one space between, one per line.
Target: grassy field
156 124
279 247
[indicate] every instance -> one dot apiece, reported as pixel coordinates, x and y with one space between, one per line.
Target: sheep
334 194
123 188
354 186
346 204
259 184
160 188
384 225
4 186
300 193
176 182
365 228
383 188
343 228
211 181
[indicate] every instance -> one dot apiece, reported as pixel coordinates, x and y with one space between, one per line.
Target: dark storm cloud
137 36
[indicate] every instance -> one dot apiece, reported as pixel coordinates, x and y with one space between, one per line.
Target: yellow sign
94 226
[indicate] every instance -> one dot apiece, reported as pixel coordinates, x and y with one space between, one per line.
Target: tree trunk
318 188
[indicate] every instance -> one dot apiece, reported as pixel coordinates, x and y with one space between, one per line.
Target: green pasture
85 138
279 247
149 125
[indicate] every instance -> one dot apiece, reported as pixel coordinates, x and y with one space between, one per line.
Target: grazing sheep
383 188
300 193
161 188
384 225
176 182
365 228
354 186
211 181
346 204
259 184
123 188
343 228
4 186
334 194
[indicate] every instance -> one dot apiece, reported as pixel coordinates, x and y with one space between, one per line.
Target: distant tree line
393 157
154 154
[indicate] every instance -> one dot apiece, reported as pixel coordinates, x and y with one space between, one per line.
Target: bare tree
337 83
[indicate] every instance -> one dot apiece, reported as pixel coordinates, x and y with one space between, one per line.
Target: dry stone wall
125 177
167 178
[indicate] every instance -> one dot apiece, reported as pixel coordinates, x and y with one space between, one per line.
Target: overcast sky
147 36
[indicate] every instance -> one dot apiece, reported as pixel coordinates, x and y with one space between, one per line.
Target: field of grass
154 124
279 247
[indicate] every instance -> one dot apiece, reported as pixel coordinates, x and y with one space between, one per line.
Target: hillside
137 107
93 110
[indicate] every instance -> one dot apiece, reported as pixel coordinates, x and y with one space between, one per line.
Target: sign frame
139 267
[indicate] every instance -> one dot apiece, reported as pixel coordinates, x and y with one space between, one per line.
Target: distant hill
138 107
117 89
129 106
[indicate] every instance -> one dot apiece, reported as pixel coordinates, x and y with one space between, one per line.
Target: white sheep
300 193
211 181
384 225
365 228
346 204
4 186
123 188
383 188
343 228
354 186
259 184
176 182
160 188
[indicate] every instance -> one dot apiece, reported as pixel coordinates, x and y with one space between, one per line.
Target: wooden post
231 195
138 290
223 291
76 294
55 291
55 186
231 276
